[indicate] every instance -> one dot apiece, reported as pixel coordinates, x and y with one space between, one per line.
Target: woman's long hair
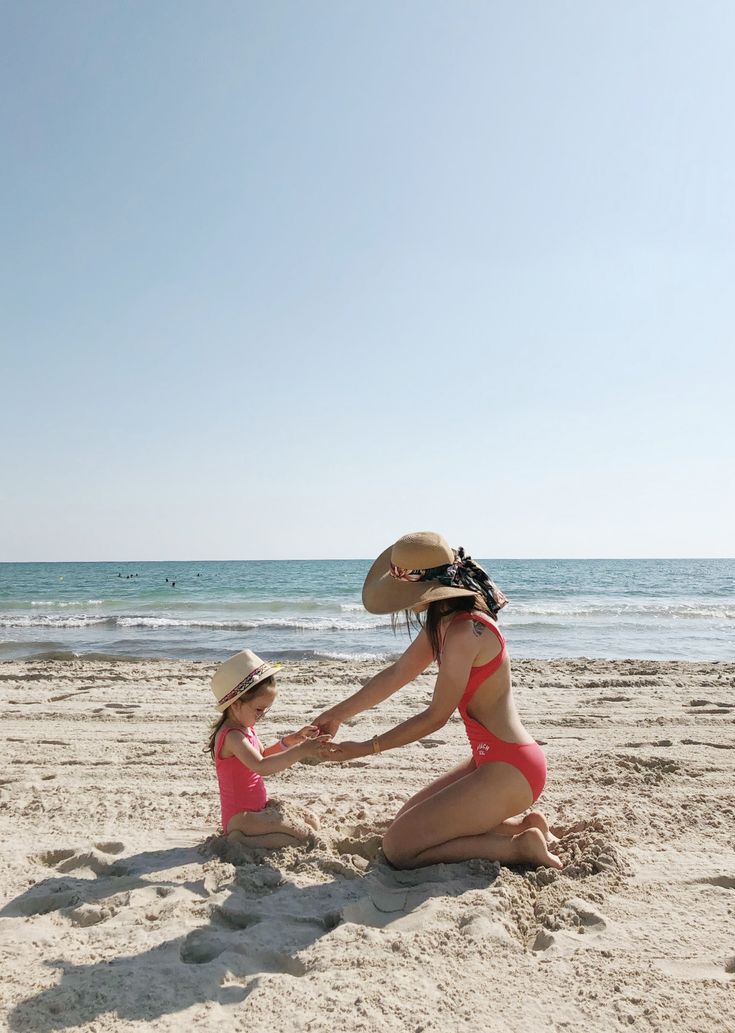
436 612
462 573
225 715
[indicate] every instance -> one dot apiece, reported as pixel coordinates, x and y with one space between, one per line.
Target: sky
286 280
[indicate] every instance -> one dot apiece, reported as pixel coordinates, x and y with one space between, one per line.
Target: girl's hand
294 738
319 747
341 751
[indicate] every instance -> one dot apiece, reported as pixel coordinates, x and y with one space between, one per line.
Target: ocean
652 609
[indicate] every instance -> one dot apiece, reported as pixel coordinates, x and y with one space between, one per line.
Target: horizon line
361 559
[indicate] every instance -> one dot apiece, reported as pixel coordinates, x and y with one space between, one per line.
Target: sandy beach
121 912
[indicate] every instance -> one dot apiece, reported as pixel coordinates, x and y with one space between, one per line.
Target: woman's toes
532 849
536 820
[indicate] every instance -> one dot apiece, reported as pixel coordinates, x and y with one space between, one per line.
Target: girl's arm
292 739
460 650
410 665
235 744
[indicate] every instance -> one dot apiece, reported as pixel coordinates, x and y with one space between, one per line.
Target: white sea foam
285 624
49 620
380 657
654 609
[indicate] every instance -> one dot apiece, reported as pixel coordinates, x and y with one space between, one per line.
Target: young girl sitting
244 687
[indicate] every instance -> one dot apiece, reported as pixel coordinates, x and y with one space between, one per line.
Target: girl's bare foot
531 848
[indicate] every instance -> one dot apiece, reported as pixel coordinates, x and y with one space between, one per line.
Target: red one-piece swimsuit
487 748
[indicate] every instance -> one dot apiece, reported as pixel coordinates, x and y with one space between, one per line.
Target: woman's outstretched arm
461 648
410 665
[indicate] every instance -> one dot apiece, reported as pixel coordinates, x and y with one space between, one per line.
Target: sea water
675 609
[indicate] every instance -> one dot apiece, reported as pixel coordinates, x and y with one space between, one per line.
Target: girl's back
240 789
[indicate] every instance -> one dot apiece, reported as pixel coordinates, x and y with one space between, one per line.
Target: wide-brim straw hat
385 592
238 674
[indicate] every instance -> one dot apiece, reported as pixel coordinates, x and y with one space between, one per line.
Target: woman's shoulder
468 627
476 616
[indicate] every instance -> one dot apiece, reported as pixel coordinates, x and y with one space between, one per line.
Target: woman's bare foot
536 820
521 823
531 848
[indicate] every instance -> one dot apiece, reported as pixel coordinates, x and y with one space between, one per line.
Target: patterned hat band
402 574
244 685
428 574
463 573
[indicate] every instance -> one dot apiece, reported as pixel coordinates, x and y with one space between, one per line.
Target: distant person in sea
482 807
245 688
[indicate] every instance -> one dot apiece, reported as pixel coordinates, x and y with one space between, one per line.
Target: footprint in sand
700 969
67 861
88 914
713 745
726 882
578 918
203 946
233 916
110 847
365 847
431 744
50 858
44 903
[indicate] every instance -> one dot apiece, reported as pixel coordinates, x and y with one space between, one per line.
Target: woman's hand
319 748
341 751
294 738
327 722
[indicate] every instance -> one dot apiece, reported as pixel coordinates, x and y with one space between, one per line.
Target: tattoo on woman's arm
478 628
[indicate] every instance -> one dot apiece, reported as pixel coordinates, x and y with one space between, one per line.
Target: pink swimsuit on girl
240 789
528 758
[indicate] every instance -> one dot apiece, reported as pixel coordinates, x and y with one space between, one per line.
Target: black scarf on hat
465 573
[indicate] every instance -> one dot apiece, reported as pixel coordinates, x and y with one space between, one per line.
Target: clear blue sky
290 280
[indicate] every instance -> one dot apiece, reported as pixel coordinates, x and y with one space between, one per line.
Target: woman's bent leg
510 827
438 784
523 822
458 822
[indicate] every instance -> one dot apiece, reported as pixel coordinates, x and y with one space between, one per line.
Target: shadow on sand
237 924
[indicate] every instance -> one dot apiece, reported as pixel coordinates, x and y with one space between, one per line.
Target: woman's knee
395 852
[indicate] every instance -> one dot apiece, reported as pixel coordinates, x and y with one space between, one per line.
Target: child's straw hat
238 674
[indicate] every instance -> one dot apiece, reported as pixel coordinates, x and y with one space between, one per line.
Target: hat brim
382 593
268 671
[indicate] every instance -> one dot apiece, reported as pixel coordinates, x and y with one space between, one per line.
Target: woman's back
488 695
